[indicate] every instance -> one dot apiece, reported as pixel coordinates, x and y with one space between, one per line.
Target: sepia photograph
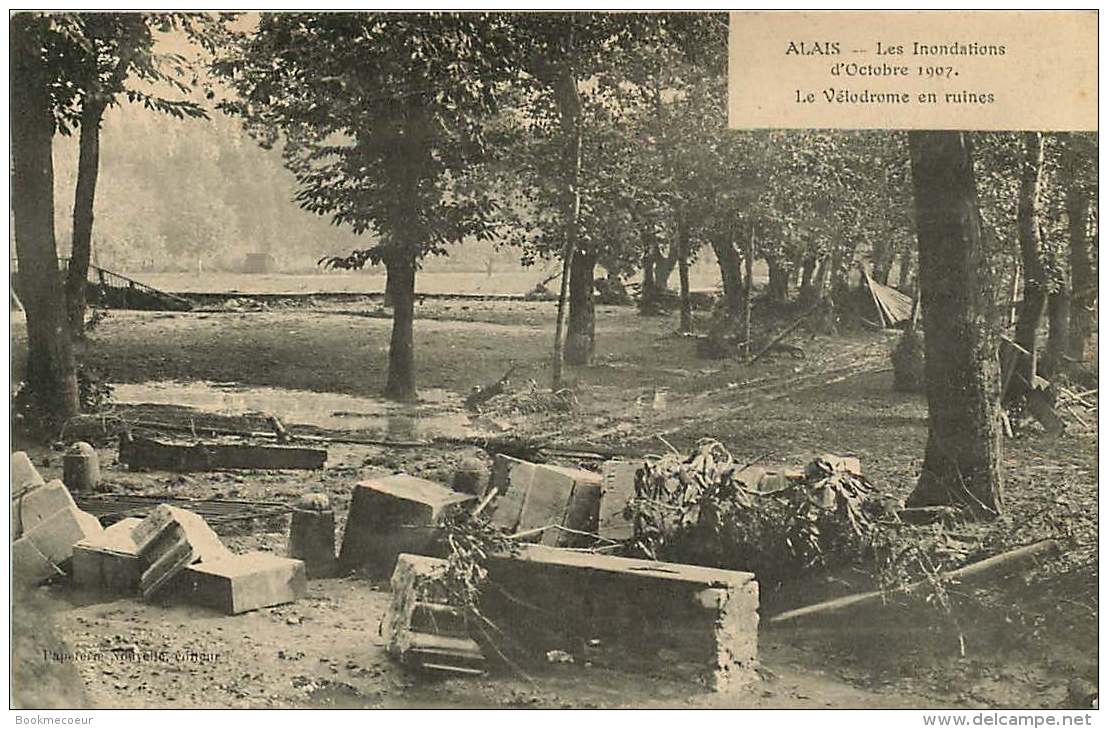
572 359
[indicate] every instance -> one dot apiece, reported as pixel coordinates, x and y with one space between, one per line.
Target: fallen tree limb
784 333
990 567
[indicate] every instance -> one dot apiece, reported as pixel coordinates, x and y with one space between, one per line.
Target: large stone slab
50 542
535 497
685 621
141 453
110 560
242 582
392 515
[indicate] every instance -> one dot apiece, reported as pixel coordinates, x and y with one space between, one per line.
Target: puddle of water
438 413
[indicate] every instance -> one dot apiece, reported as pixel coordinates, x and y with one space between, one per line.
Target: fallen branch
992 566
784 333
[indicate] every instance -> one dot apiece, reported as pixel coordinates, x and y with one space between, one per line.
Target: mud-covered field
322 367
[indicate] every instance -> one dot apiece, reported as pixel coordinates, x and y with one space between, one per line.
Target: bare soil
1025 640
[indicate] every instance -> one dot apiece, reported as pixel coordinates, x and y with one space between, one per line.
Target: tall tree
1079 168
382 117
961 464
51 371
107 49
1035 285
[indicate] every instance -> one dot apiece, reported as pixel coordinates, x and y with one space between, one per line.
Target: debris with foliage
699 509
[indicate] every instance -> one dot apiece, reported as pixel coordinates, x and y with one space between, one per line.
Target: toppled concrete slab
393 515
140 453
238 583
168 541
45 524
421 629
535 497
690 622
109 561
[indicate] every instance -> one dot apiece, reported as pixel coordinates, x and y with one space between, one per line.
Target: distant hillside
172 192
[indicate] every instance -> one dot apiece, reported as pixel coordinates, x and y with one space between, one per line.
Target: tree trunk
88 170
883 256
748 297
569 111
778 280
649 292
1082 276
51 371
401 384
1058 316
823 276
1034 275
686 323
961 464
581 326
729 261
807 280
907 268
663 267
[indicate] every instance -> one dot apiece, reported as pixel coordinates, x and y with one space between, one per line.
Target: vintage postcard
557 360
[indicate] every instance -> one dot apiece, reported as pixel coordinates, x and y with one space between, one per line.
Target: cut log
996 566
141 453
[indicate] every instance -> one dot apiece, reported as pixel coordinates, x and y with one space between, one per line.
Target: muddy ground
1025 640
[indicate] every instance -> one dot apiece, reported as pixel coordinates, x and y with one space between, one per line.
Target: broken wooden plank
141 453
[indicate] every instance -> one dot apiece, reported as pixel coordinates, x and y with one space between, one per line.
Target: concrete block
420 628
81 467
312 536
55 536
40 503
689 622
24 475
618 479
243 582
168 540
533 496
29 565
110 560
393 515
